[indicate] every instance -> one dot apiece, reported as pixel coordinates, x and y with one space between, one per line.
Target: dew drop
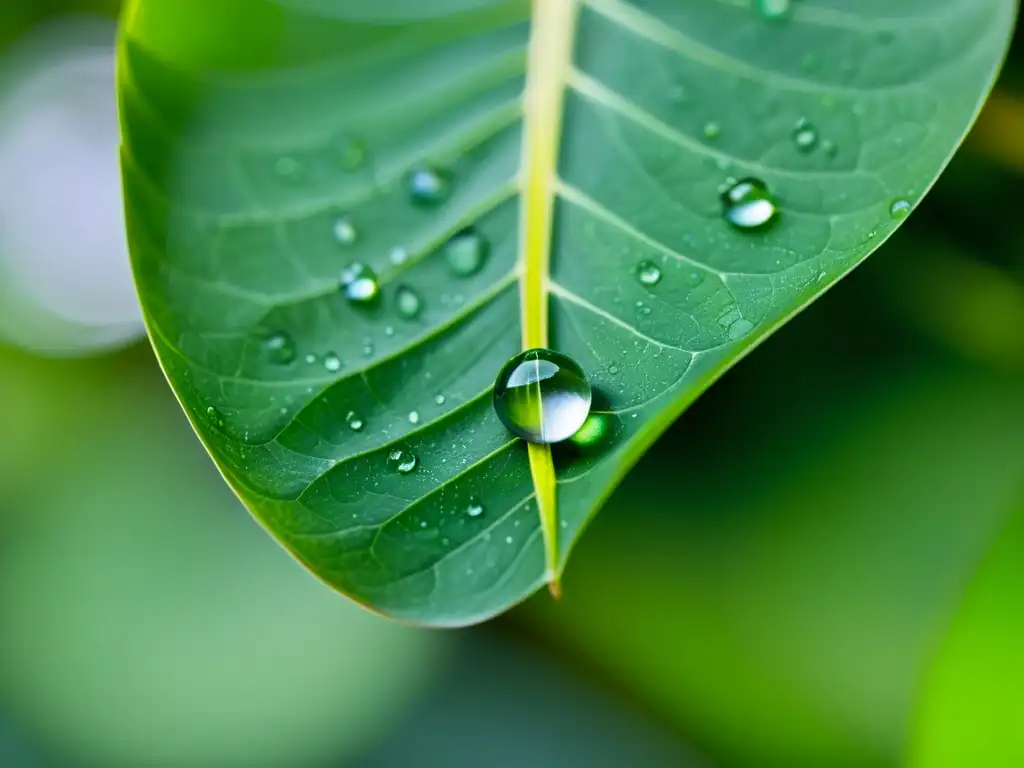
475 507
407 302
311 359
332 362
693 279
354 422
288 168
414 417
428 187
389 330
829 148
359 283
542 396
711 130
805 135
279 348
747 204
773 9
350 152
466 253
439 399
398 255
900 209
215 416
401 461
368 347
509 539
345 231
648 273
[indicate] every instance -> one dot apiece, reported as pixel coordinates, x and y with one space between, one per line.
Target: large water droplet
428 186
359 283
345 231
748 204
648 273
407 302
805 135
279 348
475 508
900 209
542 396
466 253
332 362
773 9
401 461
354 422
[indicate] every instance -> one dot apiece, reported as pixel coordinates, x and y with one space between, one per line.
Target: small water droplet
215 416
389 331
810 62
311 359
439 399
475 507
359 283
747 204
773 9
350 152
401 461
648 273
542 396
279 348
900 209
288 168
613 369
466 253
805 135
678 94
693 279
368 347
414 417
398 255
354 422
712 130
428 186
509 539
345 231
332 362
408 302
829 148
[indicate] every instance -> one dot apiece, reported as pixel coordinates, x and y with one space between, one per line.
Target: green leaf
252 128
969 712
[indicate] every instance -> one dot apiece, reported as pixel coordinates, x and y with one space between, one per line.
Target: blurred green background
841 584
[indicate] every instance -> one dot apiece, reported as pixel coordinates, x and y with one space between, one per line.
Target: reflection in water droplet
428 186
711 130
354 422
398 255
439 399
773 9
279 348
401 461
900 209
407 302
747 204
475 507
414 417
740 328
332 362
350 152
542 396
344 231
648 273
359 283
466 253
805 135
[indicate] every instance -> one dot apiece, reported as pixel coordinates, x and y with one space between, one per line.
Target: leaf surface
267 145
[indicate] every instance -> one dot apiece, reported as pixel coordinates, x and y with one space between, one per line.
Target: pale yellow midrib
552 33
